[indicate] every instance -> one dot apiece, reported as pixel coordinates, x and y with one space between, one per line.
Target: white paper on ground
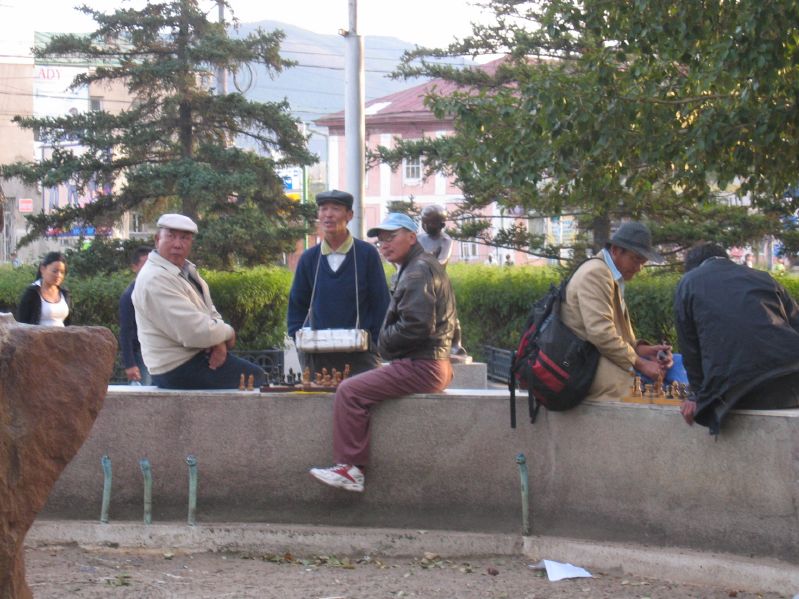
558 571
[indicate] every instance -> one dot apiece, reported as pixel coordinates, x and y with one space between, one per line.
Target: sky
425 22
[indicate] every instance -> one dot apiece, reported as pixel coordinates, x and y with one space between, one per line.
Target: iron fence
498 362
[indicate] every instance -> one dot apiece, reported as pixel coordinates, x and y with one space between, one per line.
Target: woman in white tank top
46 302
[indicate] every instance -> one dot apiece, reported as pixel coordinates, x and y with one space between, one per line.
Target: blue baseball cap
392 222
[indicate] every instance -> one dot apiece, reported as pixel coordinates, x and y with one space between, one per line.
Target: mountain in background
315 87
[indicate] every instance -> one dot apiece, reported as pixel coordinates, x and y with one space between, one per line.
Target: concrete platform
605 472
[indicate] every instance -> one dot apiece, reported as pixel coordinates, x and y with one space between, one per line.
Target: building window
412 170
468 251
95 103
137 223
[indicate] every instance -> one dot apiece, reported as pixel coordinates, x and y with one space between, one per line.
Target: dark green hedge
253 301
493 302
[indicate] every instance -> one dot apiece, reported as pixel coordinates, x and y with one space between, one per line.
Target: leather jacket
421 316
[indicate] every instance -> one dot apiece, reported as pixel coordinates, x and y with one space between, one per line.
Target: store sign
25 205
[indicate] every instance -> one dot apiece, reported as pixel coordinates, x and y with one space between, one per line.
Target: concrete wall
605 471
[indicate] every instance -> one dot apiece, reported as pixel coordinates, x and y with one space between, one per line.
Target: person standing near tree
129 346
339 284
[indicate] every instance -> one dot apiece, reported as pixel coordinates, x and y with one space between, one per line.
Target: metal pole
192 462
354 123
106 462
147 471
221 74
522 462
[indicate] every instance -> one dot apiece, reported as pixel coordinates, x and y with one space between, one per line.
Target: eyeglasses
384 238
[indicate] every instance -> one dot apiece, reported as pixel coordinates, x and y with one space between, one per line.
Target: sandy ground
70 571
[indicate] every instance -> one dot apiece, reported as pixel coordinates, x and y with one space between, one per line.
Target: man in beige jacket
184 341
595 310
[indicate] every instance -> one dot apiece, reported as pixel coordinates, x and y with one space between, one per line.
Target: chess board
656 393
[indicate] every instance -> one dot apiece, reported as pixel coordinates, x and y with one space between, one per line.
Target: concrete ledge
606 471
669 564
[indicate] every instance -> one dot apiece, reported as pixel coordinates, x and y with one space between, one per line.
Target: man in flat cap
339 284
416 336
595 310
184 340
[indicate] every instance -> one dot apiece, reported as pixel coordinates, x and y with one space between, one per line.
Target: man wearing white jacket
184 340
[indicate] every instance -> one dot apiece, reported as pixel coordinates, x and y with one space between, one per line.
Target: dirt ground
70 571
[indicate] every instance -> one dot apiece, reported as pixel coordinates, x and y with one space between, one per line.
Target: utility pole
221 75
354 123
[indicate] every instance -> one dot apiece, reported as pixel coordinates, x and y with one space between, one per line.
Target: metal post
522 462
221 74
192 462
354 123
106 462
147 471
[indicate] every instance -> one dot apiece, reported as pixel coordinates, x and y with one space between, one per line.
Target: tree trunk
600 227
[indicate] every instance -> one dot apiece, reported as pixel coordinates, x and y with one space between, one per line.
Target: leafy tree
666 111
174 145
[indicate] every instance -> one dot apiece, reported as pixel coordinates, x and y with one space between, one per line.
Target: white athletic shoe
343 476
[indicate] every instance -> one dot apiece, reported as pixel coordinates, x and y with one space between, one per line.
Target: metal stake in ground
192 462
522 462
147 471
106 462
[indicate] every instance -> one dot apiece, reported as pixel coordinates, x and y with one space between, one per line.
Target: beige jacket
595 310
174 321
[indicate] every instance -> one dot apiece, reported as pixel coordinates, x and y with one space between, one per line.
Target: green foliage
103 256
494 302
660 111
254 302
172 146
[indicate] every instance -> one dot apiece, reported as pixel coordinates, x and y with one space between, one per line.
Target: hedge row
253 301
493 302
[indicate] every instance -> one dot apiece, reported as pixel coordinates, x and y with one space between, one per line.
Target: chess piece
346 371
251 382
241 382
636 385
319 377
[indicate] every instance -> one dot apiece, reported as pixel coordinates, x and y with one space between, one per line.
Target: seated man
184 340
416 336
738 331
595 310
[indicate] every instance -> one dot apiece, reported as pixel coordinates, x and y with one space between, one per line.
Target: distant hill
315 87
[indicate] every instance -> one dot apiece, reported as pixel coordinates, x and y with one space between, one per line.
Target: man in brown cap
339 284
595 310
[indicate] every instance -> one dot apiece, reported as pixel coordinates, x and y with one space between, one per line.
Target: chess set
657 393
294 381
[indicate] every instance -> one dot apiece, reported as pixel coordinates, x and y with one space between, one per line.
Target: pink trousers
355 396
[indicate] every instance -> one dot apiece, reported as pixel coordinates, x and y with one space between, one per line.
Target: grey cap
178 222
635 236
335 196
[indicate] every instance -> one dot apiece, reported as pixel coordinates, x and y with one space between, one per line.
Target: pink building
404 115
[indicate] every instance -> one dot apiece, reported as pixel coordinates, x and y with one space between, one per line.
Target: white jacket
174 321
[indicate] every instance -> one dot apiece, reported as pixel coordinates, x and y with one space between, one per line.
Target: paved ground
70 571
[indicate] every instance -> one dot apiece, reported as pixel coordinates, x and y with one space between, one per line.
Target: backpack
554 365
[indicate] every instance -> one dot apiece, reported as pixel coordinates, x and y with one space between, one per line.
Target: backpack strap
512 389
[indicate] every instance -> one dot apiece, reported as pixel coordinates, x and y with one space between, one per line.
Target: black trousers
773 395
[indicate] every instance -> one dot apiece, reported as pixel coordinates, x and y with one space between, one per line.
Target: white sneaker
343 476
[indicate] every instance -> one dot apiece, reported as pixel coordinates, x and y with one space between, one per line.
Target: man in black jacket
738 331
416 336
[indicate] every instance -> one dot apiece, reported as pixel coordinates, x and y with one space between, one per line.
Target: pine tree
174 147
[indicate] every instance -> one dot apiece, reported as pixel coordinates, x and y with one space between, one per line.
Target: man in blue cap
339 284
416 337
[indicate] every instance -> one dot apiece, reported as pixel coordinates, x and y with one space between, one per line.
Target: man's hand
661 354
217 355
133 373
649 368
688 410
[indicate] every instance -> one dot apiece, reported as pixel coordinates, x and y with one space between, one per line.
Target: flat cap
392 222
178 222
335 196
